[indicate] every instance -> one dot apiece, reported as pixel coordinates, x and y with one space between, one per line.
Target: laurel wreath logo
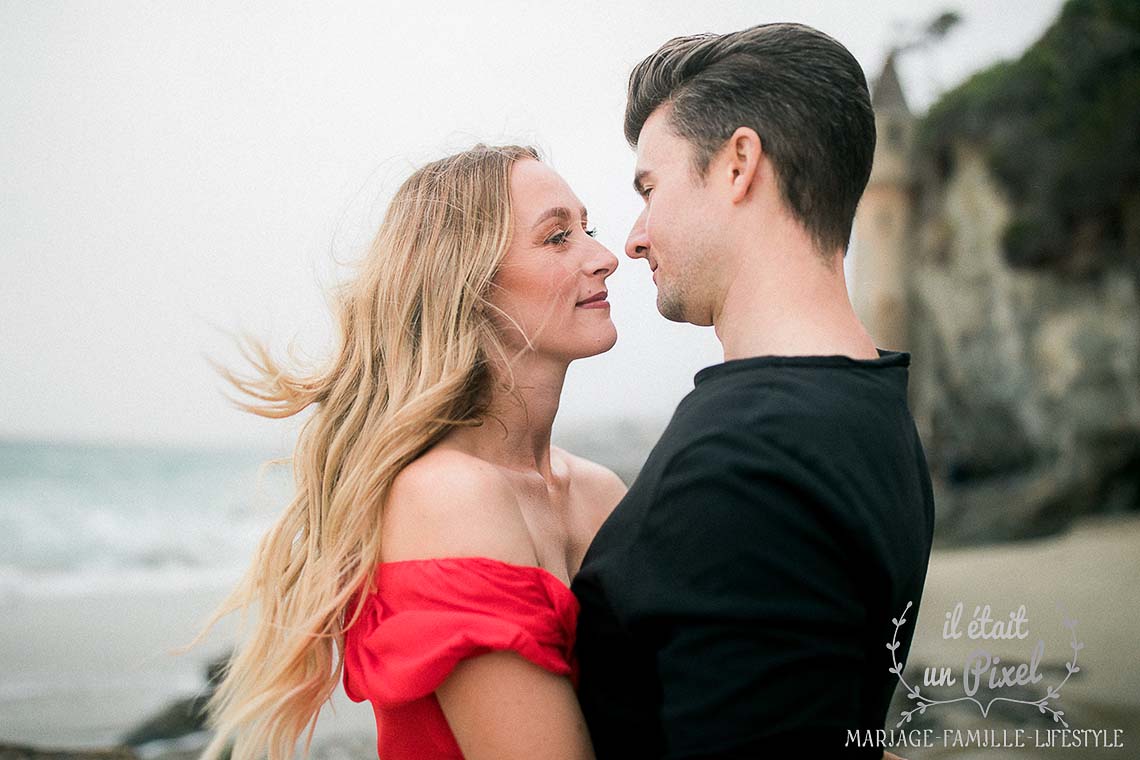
922 702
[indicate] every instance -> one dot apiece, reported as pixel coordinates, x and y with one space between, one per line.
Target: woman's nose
603 261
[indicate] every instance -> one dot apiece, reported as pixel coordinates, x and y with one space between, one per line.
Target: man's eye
645 192
593 232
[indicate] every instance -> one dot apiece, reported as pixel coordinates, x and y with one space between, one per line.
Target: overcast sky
169 170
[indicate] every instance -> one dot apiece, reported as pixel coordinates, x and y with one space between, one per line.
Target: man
738 601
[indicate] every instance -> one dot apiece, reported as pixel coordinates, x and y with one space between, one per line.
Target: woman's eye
560 238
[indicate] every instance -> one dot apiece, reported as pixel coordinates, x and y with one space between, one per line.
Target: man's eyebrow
560 212
637 178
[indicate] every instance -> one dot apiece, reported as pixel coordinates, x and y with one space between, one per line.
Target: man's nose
637 245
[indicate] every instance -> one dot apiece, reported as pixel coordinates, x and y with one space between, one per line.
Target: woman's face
552 266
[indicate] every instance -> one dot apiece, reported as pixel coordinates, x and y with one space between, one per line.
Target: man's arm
745 593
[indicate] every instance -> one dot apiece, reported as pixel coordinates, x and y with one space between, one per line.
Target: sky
172 173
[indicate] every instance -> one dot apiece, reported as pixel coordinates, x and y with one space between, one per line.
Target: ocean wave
16 583
77 518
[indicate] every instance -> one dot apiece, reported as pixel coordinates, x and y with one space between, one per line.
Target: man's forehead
654 132
657 143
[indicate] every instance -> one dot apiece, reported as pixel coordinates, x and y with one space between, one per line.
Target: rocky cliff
1022 288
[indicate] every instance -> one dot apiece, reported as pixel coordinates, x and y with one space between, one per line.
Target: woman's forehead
538 191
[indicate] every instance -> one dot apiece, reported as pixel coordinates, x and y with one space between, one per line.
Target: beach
82 670
110 568
1090 574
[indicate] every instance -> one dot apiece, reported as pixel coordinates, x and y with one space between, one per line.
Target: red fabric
424 617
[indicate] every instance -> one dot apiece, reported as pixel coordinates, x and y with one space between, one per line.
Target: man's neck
795 305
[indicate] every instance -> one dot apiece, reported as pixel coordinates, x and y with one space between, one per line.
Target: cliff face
1025 382
1023 281
1060 129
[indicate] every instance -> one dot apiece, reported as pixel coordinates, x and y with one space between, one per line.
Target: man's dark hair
802 91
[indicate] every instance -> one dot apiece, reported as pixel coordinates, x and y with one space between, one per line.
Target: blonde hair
415 360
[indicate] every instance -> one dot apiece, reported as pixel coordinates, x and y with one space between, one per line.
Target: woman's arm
499 705
502 707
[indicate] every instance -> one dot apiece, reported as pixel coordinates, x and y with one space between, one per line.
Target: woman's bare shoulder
600 486
590 473
447 503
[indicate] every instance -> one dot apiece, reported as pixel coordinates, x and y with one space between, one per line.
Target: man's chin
674 311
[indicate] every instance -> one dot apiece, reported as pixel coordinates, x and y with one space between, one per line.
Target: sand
81 669
1092 574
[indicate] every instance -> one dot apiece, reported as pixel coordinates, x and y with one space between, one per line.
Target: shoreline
82 669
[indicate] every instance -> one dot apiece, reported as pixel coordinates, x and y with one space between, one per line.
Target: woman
428 552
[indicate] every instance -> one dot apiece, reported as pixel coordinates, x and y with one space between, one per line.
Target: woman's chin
601 344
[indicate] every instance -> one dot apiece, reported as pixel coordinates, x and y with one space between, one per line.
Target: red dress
425 616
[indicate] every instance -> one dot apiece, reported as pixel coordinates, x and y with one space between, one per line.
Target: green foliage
1060 127
942 24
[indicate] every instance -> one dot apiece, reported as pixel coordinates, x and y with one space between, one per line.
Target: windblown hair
802 91
416 358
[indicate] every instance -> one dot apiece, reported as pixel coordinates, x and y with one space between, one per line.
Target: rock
1025 383
1020 305
183 717
25 752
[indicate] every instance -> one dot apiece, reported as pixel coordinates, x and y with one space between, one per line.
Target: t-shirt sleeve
427 617
741 586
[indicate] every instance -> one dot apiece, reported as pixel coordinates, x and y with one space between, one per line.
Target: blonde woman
427 554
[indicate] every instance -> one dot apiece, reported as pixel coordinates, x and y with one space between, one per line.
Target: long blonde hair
415 360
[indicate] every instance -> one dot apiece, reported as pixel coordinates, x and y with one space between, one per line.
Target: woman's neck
513 435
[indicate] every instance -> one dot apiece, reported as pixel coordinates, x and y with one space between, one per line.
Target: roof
886 92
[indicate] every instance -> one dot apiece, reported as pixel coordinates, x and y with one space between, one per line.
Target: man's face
676 231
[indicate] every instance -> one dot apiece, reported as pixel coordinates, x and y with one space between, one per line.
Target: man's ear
743 153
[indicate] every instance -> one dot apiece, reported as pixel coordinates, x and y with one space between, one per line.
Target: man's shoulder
708 427
743 466
729 404
775 423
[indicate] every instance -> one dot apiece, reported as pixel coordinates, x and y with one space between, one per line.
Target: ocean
76 518
111 556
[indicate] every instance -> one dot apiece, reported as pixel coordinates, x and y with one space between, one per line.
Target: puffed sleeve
425 616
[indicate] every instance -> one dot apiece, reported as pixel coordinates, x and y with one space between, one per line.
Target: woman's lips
599 304
596 301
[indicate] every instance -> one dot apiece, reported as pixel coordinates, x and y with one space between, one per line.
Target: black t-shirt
739 600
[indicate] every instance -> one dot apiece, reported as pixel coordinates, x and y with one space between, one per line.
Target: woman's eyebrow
561 212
